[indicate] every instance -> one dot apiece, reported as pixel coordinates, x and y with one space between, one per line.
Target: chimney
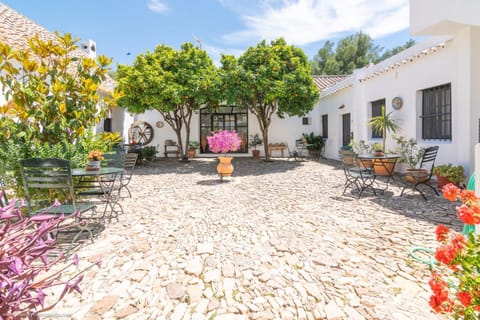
89 47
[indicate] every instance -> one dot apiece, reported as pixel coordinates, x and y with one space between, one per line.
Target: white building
436 82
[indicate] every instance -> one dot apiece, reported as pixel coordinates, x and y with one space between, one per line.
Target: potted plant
192 148
255 141
314 144
384 123
149 153
347 154
411 155
223 141
94 158
448 173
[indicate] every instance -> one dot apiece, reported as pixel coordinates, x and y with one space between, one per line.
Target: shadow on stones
212 182
208 166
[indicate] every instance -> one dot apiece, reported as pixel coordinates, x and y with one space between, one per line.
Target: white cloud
216 52
157 6
302 22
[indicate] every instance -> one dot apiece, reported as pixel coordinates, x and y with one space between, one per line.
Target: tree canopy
352 52
51 91
173 82
269 79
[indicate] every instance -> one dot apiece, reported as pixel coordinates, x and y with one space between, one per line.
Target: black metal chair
414 181
129 163
3 194
45 181
357 175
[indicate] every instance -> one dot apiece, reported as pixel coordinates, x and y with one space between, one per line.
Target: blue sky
124 28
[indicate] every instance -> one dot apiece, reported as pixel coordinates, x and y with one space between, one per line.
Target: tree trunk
265 143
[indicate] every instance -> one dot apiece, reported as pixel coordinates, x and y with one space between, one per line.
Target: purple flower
224 141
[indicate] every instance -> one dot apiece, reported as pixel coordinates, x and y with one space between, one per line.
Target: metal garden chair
357 176
426 164
45 181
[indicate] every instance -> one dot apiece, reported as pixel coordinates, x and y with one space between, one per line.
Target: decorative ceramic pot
256 154
93 165
225 167
192 153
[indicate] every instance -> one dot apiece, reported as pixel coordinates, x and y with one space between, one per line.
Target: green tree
52 91
391 52
352 52
269 79
173 82
52 101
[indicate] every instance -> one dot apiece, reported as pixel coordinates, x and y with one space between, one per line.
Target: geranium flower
465 298
469 215
442 232
451 192
460 298
468 196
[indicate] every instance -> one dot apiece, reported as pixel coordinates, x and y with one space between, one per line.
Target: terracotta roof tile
16 29
325 81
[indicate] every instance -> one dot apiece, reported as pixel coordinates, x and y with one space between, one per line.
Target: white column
477 177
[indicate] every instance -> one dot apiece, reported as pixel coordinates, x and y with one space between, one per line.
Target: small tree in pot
192 148
411 155
384 123
255 141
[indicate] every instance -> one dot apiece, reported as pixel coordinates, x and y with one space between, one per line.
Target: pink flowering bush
25 266
456 284
223 141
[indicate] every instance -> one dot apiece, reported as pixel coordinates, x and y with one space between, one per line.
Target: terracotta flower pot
384 167
192 153
416 175
256 154
225 167
442 181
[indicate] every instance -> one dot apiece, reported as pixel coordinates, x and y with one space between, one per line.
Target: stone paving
276 241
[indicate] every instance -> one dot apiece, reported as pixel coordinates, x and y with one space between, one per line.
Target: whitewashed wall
458 63
286 130
332 106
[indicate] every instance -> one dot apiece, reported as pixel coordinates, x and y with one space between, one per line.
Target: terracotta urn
225 167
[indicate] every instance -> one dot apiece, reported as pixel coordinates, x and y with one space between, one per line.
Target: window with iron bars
437 113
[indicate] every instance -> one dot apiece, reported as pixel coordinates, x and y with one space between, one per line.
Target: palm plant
384 123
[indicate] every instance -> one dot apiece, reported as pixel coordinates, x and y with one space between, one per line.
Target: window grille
437 113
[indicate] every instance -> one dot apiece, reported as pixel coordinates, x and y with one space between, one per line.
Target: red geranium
451 192
442 232
460 298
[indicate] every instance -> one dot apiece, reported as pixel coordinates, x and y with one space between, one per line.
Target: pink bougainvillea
223 141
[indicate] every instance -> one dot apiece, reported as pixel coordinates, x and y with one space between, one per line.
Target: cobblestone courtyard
275 241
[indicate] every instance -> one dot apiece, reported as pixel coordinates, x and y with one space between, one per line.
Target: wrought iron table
100 184
383 165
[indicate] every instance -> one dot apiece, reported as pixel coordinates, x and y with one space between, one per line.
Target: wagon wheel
141 132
